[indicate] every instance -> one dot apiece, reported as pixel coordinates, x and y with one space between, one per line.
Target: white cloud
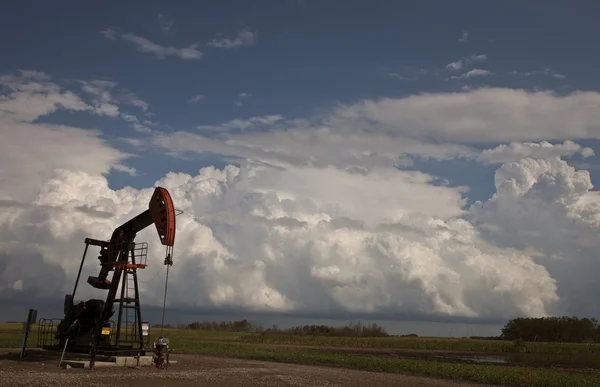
243 38
383 132
293 239
133 100
161 52
464 37
465 61
479 115
104 101
36 149
397 76
196 98
109 33
315 147
31 95
547 206
544 150
316 218
164 22
546 72
245 95
243 124
473 73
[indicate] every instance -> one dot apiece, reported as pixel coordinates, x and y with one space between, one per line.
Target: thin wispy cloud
464 37
165 23
196 98
245 95
161 52
407 73
546 72
465 61
473 73
103 100
243 38
239 124
109 33
399 77
132 99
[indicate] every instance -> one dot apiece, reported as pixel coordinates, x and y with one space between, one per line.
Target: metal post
138 307
25 337
162 322
119 321
168 263
31 319
63 353
80 267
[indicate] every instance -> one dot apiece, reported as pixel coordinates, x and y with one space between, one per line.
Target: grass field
276 347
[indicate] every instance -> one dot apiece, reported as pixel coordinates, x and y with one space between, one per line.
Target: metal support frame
130 341
83 327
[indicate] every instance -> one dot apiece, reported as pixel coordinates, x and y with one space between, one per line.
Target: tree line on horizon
553 329
352 329
563 329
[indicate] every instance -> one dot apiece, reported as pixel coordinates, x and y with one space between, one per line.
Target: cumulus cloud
262 238
316 218
548 207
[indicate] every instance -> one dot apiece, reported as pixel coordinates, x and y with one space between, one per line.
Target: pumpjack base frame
100 351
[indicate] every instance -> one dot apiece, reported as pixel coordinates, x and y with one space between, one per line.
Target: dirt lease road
196 370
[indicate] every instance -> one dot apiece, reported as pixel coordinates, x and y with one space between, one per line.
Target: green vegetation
491 374
431 344
357 329
553 329
11 335
319 350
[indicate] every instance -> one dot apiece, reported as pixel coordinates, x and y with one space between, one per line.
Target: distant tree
351 330
552 329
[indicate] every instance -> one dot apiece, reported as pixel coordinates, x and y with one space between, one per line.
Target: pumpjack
87 326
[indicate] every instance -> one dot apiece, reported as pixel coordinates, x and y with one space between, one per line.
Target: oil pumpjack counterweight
87 326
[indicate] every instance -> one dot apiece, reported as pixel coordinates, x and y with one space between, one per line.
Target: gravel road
197 370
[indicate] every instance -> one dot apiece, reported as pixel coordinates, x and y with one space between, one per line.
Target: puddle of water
529 359
485 359
477 359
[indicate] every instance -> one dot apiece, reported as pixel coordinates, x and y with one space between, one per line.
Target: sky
390 161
